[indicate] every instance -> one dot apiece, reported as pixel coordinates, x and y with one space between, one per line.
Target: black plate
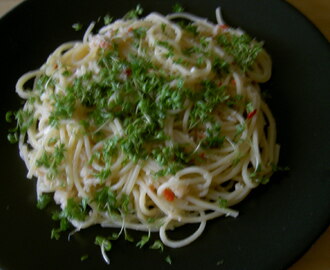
277 222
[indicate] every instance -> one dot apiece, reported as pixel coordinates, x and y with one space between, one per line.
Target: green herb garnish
107 19
44 200
144 240
77 26
157 245
242 48
168 260
134 13
177 8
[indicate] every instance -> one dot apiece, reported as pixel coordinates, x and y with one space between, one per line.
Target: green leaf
77 26
220 66
157 245
107 19
213 137
10 116
144 240
84 257
249 107
106 200
223 203
134 13
128 237
241 47
140 32
44 200
52 161
12 137
64 226
239 130
103 241
75 210
168 260
177 8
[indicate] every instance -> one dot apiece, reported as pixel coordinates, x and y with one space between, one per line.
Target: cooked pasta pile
149 124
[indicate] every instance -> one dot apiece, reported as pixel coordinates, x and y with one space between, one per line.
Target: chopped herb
24 120
163 26
151 220
107 19
106 200
258 177
157 245
189 27
249 107
177 8
211 96
277 168
75 210
140 32
64 225
204 42
200 61
264 180
134 13
255 173
44 81
223 203
144 240
172 158
242 48
10 116
63 108
234 101
103 242
220 66
114 236
237 159
66 73
44 200
239 130
166 45
213 138
77 26
12 137
128 237
84 257
52 161
103 174
168 260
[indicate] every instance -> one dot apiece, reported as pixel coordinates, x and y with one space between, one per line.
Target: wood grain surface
318 12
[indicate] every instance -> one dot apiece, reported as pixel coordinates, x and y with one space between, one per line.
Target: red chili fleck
128 72
130 29
202 155
251 114
169 195
224 26
233 82
219 83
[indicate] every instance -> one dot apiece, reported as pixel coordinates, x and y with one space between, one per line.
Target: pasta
149 124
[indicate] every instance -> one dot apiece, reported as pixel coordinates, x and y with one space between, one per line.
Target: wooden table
318 11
